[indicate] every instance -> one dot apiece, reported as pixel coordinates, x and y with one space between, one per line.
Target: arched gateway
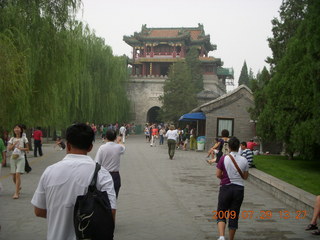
154 50
152 115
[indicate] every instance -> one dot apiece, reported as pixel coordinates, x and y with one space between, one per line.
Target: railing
149 76
158 55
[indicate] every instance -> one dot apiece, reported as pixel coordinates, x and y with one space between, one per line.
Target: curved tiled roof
225 97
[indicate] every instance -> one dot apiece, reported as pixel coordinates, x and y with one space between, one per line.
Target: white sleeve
25 140
98 157
39 196
123 148
10 141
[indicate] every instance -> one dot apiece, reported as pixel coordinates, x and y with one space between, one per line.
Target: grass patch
300 173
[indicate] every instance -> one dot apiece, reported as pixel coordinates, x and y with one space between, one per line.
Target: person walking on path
19 144
172 136
122 132
315 216
62 182
232 169
37 136
154 135
162 132
108 156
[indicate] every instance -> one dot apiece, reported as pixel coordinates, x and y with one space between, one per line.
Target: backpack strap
236 165
92 185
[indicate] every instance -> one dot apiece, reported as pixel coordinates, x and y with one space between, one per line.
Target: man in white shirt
108 156
122 131
172 136
62 182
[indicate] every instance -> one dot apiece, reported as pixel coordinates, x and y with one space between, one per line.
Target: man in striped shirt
247 153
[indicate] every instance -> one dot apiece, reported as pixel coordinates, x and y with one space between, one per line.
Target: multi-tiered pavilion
154 50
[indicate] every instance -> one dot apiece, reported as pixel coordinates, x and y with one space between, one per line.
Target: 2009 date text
262 214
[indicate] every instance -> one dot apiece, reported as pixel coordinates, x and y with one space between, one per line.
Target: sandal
311 227
15 196
209 162
317 232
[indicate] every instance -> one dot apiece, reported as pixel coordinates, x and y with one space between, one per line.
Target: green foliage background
184 81
287 107
54 70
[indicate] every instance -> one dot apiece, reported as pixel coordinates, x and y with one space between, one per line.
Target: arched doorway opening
153 114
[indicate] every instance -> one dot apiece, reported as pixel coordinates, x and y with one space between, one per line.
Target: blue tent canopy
193 116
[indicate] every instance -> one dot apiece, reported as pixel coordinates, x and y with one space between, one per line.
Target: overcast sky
239 28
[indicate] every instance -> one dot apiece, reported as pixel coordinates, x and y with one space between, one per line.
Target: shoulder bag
236 165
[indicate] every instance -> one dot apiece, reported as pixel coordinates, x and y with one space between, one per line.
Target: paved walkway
160 199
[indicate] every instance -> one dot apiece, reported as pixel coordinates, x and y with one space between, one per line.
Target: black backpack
92 214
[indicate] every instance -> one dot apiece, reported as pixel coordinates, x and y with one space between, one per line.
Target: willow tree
55 70
14 87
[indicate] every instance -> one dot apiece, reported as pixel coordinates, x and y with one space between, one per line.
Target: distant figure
172 137
154 135
60 143
5 139
247 153
162 132
19 144
185 137
122 132
37 136
213 151
62 182
108 156
251 144
146 132
193 138
223 145
316 215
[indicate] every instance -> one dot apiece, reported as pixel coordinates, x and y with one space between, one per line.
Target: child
247 153
60 143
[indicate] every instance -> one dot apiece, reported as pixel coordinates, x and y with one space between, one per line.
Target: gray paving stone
159 199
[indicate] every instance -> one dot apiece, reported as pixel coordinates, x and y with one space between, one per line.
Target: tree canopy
185 81
291 113
179 93
244 76
54 70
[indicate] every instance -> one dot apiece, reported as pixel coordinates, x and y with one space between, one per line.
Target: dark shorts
116 181
230 199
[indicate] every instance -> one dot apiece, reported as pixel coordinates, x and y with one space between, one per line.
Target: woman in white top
172 136
18 144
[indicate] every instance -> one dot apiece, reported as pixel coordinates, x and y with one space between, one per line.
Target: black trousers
37 147
116 182
230 199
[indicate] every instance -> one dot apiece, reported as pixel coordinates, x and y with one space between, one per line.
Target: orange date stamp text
262 214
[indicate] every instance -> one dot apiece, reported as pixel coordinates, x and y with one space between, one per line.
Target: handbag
16 153
236 165
27 167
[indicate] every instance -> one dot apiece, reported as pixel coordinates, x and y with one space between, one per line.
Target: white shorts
17 165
